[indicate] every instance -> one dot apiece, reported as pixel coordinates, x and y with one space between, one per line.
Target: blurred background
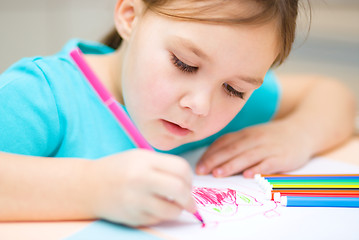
42 27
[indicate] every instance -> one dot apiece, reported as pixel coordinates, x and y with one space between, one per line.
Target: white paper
241 211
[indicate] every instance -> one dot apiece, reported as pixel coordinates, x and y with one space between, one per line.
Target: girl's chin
165 145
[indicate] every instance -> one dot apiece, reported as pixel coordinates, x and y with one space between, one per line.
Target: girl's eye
182 66
233 92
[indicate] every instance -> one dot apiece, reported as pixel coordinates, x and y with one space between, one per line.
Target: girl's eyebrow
191 46
251 80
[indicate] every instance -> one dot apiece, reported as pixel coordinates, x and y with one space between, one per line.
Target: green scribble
247 200
216 209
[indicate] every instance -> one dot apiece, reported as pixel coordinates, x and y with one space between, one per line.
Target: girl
184 69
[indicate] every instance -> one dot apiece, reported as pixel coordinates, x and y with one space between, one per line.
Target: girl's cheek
160 89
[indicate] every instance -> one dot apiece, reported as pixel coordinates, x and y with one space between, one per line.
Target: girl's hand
140 187
269 148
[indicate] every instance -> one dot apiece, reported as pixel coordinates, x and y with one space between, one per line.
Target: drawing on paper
229 204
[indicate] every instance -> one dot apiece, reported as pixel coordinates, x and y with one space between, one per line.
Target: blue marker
294 201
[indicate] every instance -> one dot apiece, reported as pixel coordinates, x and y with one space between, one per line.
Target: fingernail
248 174
201 169
218 172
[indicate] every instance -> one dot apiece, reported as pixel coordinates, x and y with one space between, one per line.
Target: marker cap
277 197
283 201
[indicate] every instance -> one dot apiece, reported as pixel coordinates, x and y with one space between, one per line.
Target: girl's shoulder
57 71
44 99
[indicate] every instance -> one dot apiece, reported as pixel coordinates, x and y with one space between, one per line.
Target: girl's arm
322 107
315 115
38 188
134 188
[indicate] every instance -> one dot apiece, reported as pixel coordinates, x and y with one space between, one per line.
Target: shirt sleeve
260 108
29 122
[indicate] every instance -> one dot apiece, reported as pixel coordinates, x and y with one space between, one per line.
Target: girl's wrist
302 133
90 184
98 179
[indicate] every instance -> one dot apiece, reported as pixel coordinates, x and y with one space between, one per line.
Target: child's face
184 81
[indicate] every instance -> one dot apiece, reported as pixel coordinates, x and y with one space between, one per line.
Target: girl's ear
126 12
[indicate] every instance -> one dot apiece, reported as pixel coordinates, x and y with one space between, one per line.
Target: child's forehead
210 10
281 14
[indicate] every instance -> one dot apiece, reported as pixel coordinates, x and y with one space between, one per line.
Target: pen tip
198 216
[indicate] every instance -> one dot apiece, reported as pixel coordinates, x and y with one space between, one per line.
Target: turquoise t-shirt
47 108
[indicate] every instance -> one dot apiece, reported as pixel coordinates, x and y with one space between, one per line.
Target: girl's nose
198 101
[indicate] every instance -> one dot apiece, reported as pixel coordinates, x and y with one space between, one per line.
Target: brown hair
285 11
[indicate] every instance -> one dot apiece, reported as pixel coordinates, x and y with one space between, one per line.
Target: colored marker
117 111
349 179
288 179
319 191
314 185
312 189
276 196
311 184
106 97
319 180
199 217
308 175
291 201
314 193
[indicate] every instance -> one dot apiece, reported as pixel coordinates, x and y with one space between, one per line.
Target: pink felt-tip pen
199 217
118 112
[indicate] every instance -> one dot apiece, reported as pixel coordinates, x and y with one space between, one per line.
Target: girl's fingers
173 189
268 166
144 220
162 209
210 161
175 166
248 134
241 162
221 142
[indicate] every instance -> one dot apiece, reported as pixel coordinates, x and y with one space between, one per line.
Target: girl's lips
175 129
